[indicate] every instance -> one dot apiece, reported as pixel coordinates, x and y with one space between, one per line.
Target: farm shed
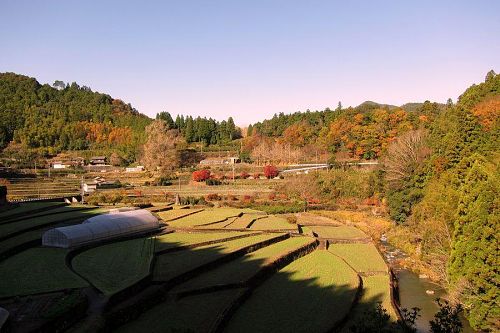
101 227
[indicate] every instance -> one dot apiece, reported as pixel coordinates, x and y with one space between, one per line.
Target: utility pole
49 169
83 191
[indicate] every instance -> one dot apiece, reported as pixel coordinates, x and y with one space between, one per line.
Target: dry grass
372 225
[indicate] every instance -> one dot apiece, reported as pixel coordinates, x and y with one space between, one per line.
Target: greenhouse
101 227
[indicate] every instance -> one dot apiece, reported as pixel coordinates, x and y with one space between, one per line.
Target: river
415 291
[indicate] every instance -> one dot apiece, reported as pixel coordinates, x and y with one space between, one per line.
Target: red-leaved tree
201 175
270 171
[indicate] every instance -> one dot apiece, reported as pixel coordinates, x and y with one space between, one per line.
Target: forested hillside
207 131
66 117
363 132
438 179
450 199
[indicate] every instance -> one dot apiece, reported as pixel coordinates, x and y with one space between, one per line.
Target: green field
218 225
362 257
113 267
341 232
177 239
172 264
376 289
26 208
37 270
243 268
309 295
176 213
20 239
53 211
243 221
206 216
10 228
273 222
191 314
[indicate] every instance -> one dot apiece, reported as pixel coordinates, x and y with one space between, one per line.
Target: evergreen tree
250 130
165 116
231 128
475 252
189 133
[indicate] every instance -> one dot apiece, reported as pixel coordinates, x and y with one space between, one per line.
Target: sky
251 59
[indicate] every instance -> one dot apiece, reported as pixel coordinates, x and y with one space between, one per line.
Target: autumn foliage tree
201 175
270 171
161 151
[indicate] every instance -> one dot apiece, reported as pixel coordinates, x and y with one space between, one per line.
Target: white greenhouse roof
101 227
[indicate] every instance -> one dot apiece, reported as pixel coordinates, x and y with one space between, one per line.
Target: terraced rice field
243 221
273 223
243 268
26 209
198 313
340 232
309 295
170 265
206 216
362 257
177 213
376 289
9 229
113 267
252 273
182 239
37 270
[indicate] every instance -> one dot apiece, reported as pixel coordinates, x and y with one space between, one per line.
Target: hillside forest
437 177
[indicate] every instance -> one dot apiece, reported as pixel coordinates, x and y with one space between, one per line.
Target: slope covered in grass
272 223
340 232
115 266
169 265
176 239
309 295
37 270
363 257
191 314
243 268
206 216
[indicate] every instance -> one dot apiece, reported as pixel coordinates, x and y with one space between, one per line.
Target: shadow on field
249 284
210 290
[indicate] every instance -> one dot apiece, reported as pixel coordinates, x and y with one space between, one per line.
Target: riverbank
417 285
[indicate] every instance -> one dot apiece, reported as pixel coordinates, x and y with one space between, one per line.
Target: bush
244 175
163 181
256 175
193 201
248 198
213 197
272 196
270 171
213 182
201 175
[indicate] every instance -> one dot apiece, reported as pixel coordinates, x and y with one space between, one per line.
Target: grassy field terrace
211 269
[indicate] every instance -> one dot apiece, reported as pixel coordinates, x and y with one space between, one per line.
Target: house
220 161
60 165
212 161
90 187
98 160
138 168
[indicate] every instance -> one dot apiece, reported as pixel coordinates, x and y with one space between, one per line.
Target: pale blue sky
251 59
